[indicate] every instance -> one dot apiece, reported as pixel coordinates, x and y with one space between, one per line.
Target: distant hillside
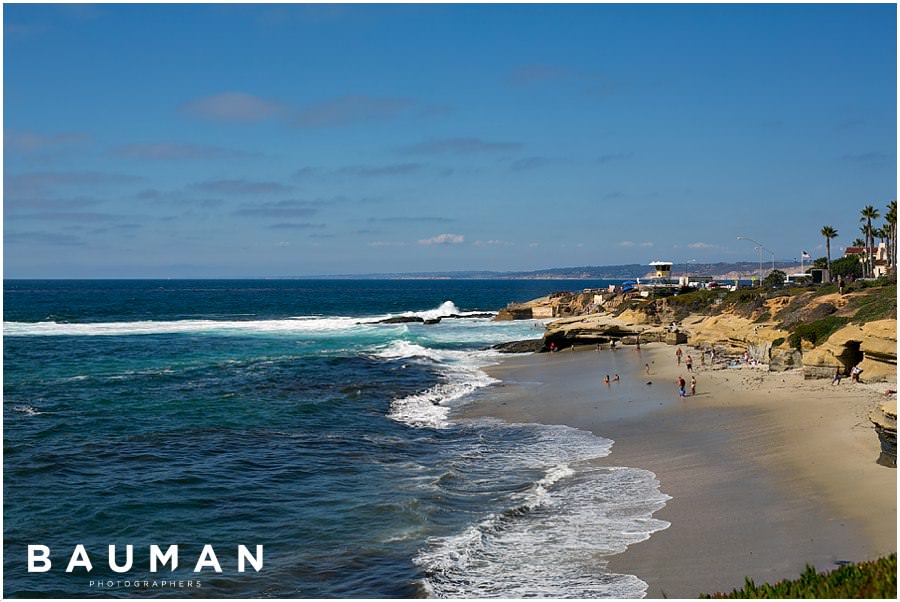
609 272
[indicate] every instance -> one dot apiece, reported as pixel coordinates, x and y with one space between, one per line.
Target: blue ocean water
278 413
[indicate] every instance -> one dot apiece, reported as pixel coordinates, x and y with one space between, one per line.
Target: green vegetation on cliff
876 579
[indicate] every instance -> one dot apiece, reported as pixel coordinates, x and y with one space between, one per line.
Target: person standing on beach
693 385
689 362
681 384
678 356
606 380
647 368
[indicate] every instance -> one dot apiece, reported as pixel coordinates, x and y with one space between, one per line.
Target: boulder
528 346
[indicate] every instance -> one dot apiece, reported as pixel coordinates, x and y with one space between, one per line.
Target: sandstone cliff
872 345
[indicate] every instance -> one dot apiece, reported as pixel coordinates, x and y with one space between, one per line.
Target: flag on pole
805 255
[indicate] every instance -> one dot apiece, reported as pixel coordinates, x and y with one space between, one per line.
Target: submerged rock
401 320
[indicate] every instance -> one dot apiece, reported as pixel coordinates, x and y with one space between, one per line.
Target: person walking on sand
681 384
678 356
647 368
606 380
693 385
616 378
689 362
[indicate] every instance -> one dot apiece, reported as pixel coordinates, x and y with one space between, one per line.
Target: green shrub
816 332
878 304
875 579
777 341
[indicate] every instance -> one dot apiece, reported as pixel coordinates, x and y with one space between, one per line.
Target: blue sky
292 140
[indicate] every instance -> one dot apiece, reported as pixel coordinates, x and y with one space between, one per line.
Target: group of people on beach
682 384
689 364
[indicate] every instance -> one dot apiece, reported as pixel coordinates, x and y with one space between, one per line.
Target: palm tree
867 214
891 218
828 232
858 242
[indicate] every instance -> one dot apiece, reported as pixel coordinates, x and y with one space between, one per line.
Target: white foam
549 547
292 325
430 407
27 410
461 373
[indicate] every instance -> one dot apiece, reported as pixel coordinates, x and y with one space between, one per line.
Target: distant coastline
722 270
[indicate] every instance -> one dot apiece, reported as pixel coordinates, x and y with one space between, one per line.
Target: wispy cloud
19 204
295 226
443 239
341 111
290 208
43 238
241 187
616 194
610 157
237 107
647 244
493 243
179 152
527 75
459 146
39 183
869 159
410 219
349 110
28 142
626 243
373 171
387 243
529 163
701 245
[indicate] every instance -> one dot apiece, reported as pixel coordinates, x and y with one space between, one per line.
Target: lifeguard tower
663 270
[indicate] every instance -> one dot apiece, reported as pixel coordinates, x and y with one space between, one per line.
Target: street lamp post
760 248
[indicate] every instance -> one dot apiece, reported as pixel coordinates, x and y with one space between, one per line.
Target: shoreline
767 472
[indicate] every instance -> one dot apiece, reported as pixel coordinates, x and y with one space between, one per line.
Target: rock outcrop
736 335
586 330
527 346
872 346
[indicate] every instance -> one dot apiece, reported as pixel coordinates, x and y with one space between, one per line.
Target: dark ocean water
277 413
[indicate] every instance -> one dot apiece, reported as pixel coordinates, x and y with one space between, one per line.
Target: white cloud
482 243
386 243
626 243
701 245
647 244
443 239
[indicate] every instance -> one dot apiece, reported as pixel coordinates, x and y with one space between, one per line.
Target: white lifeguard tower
663 270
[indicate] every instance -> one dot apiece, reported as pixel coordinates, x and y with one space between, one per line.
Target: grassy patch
816 332
876 579
763 317
879 304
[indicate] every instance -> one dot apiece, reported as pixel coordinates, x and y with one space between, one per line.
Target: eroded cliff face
873 346
737 334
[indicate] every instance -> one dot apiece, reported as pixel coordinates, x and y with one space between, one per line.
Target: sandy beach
767 472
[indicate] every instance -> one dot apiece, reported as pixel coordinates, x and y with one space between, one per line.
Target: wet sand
767 472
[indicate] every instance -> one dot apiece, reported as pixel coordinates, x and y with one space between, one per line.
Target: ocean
278 413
